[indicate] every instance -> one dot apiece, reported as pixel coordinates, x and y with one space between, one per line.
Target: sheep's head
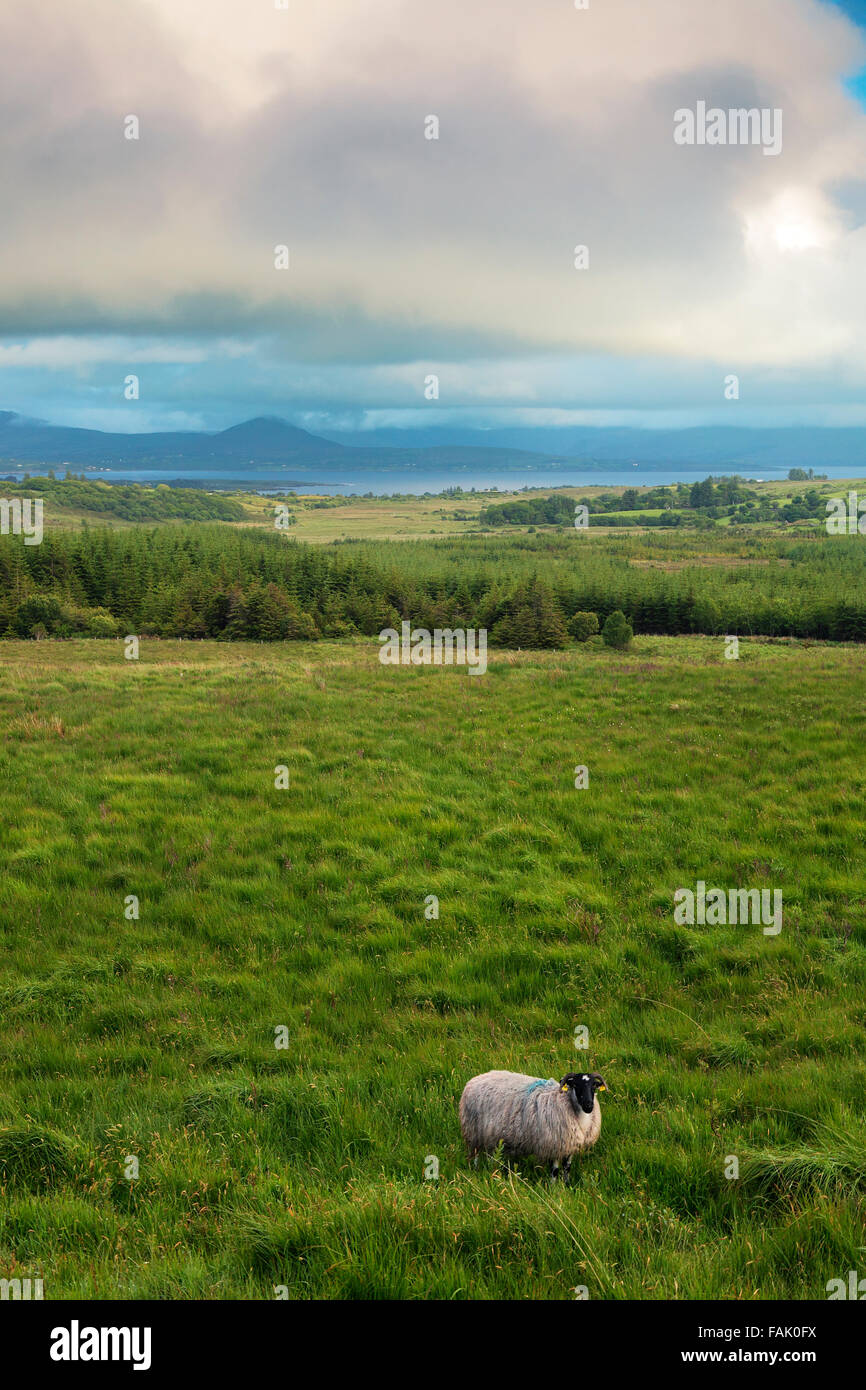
581 1088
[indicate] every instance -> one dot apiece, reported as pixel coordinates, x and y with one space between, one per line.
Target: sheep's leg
566 1170
554 1169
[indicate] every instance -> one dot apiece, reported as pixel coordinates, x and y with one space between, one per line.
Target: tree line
128 501
676 504
206 581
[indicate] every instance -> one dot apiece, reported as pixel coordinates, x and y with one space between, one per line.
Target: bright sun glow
796 236
793 222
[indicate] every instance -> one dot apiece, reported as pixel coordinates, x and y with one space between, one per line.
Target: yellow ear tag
565 1088
602 1088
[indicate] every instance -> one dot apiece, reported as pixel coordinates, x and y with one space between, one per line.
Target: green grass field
303 1166
375 519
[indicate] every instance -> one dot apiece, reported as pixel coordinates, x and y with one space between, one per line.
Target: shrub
101 623
617 631
583 625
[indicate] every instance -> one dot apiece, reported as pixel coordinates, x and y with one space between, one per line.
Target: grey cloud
405 250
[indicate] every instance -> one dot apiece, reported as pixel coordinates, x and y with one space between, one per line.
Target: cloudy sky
408 256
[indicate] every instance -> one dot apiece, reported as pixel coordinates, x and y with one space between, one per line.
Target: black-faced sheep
551 1119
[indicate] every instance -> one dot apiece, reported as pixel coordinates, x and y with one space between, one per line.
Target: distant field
153 1039
370 519
320 520
382 518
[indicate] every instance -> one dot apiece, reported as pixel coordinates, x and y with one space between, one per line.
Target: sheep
551 1119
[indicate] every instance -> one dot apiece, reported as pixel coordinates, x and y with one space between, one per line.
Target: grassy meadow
302 1167
318 519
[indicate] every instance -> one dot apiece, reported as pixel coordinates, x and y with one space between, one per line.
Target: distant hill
263 441
718 449
259 442
268 440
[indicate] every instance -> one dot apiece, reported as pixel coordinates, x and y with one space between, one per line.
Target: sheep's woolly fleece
526 1115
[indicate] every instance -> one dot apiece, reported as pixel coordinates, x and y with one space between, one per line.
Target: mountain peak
271 425
276 437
